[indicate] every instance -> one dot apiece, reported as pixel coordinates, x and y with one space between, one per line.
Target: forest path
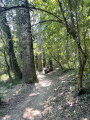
50 99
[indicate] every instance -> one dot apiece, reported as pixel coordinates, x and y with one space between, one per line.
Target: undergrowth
10 83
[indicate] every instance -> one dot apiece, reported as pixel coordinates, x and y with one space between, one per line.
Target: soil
53 98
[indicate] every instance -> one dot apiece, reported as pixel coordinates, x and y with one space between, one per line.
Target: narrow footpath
53 98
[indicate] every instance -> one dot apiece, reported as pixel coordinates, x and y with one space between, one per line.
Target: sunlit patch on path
31 113
6 117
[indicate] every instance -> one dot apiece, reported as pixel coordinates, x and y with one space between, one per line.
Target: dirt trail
50 99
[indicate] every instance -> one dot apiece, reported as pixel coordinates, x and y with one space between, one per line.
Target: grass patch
68 70
5 85
10 83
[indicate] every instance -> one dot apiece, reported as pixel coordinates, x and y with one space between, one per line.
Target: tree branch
45 21
3 9
72 19
66 23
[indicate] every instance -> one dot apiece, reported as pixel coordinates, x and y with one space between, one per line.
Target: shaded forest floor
53 98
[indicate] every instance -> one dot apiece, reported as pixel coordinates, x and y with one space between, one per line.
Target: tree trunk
39 62
51 65
36 61
29 73
39 50
67 53
6 29
82 62
8 67
44 59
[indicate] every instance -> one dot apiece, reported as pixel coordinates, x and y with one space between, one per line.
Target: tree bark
39 62
39 50
50 64
44 59
36 61
29 73
8 66
67 53
82 62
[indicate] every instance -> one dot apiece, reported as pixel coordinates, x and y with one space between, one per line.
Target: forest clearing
45 59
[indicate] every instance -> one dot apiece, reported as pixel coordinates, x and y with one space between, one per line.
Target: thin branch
45 21
84 37
77 23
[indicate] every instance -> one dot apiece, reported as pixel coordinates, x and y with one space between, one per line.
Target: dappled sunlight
72 88
47 110
59 107
63 79
4 77
61 93
34 94
85 119
15 92
31 113
45 84
41 76
70 103
6 117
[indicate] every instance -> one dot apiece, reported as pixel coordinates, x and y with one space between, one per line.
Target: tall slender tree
44 58
13 61
39 50
75 33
